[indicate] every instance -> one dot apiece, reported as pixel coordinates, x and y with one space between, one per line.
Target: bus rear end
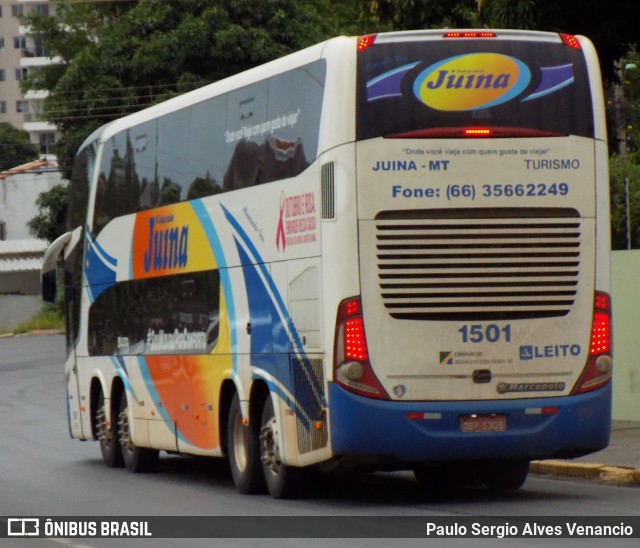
483 328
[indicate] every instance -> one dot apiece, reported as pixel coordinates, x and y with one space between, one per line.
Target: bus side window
153 315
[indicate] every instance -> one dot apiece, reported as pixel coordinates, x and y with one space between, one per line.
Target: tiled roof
20 265
19 247
37 165
21 255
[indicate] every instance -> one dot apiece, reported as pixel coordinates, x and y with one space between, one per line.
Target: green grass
49 317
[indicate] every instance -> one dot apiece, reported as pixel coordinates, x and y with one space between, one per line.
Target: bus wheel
107 435
243 449
506 475
282 481
136 459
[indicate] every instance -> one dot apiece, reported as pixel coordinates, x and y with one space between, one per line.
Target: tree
119 57
625 201
15 147
623 105
50 222
201 187
612 29
420 14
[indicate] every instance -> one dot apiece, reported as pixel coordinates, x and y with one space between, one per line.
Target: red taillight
366 41
602 301
469 34
355 345
570 41
600 334
352 369
601 328
350 307
597 371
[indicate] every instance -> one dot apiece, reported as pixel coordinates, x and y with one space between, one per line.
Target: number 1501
492 333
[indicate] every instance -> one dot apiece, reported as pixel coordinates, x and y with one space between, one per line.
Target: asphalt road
45 473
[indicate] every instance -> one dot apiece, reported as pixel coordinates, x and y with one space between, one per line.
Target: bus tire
506 475
244 451
107 434
282 481
136 459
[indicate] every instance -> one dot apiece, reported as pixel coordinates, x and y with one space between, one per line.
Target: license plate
483 423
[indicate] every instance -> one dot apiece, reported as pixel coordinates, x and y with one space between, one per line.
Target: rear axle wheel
136 459
243 449
105 426
282 481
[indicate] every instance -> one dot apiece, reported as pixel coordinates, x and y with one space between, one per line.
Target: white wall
625 281
18 194
15 309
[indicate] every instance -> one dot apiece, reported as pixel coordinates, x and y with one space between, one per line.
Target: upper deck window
255 134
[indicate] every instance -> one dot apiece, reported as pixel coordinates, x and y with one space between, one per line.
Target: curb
602 472
33 333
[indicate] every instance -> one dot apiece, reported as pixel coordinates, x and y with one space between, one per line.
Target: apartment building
19 53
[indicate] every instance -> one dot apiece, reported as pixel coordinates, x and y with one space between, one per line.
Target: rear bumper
373 428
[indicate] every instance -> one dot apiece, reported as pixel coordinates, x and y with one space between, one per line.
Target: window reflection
257 134
165 315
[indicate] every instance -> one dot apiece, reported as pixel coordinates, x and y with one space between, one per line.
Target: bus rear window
413 87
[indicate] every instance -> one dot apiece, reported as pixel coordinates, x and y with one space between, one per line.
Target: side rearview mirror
48 285
49 266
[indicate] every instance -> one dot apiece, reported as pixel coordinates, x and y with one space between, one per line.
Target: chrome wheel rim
103 432
124 432
270 449
239 445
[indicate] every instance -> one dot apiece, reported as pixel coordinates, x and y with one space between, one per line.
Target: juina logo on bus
471 81
169 240
167 247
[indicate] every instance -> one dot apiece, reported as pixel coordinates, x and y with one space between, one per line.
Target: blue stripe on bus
107 259
275 388
552 79
121 370
264 296
388 84
99 268
259 263
221 265
270 346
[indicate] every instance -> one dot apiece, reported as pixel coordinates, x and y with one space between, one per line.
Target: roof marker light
366 41
570 41
470 34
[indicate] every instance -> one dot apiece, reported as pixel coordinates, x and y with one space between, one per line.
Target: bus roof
291 61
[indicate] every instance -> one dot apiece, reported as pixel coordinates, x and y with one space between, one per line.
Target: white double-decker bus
389 251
